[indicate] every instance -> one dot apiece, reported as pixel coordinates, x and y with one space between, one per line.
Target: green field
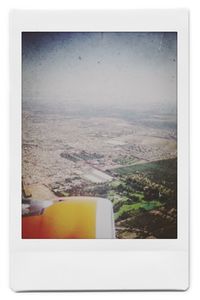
163 171
128 210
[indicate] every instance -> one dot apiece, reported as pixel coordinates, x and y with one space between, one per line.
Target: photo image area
99 135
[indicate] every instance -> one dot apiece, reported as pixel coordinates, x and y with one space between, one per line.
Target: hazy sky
99 68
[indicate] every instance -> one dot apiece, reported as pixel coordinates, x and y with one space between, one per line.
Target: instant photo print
99 150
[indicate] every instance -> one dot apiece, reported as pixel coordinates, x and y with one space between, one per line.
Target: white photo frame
99 264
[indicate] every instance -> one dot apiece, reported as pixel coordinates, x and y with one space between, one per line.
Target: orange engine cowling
73 218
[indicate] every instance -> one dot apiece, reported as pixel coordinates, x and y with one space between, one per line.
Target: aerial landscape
99 119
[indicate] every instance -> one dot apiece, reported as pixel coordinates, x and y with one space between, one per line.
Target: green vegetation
163 171
128 210
143 187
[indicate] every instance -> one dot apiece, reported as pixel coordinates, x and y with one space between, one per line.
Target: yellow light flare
63 220
70 219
